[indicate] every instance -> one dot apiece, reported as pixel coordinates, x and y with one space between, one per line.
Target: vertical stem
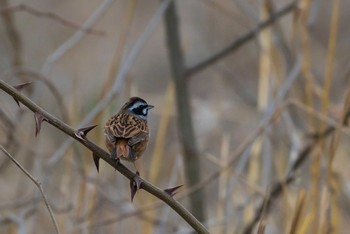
12 34
15 41
184 118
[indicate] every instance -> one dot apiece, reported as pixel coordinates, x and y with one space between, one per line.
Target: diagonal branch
36 182
277 188
240 41
76 37
49 15
160 194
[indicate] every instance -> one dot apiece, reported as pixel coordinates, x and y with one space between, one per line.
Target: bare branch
240 41
33 74
49 15
12 34
36 182
67 45
177 207
184 119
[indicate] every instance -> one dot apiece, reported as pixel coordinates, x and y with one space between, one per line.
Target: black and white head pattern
139 107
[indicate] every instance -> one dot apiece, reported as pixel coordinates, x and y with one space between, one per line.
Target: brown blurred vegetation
255 111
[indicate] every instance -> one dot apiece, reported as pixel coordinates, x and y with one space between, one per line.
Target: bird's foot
113 155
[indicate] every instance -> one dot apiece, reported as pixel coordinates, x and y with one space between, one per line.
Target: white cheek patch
145 111
140 109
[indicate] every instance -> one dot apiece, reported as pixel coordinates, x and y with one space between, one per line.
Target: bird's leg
113 155
137 171
132 158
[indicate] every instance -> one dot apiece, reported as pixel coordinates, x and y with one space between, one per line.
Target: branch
176 206
50 15
13 36
36 182
240 41
76 37
33 74
184 118
277 188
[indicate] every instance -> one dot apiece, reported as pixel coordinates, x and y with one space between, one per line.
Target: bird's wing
127 126
142 136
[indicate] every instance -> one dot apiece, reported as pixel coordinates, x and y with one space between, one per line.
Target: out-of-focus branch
67 45
176 206
277 188
240 41
12 34
49 15
280 37
15 41
184 118
33 74
36 182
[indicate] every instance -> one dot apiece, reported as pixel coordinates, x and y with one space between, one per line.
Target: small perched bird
127 132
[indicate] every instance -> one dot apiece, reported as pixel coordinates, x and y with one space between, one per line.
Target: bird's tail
122 149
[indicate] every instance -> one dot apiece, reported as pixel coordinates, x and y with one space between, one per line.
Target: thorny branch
30 73
176 206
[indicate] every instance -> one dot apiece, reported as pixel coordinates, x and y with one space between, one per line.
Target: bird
127 132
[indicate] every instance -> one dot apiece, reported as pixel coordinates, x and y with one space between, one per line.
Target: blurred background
252 121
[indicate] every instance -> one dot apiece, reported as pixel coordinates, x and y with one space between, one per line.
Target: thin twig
33 74
15 41
36 182
12 33
49 15
276 190
266 120
175 205
238 43
67 45
304 154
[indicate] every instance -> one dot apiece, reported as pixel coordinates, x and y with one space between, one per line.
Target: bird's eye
139 109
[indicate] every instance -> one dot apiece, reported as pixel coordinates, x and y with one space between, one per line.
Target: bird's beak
149 107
